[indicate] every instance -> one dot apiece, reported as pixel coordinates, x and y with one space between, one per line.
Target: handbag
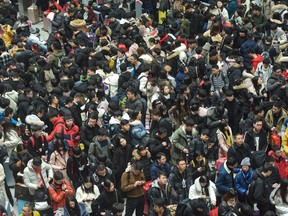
41 199
22 193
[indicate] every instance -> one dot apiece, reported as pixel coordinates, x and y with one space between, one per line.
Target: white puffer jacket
195 190
31 179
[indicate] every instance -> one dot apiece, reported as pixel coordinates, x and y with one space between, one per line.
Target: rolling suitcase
33 14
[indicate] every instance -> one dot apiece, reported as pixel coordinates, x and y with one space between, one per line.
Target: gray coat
95 150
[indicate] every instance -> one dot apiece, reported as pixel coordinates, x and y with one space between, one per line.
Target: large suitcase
33 14
47 24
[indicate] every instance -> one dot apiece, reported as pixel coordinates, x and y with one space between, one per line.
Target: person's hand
185 151
200 169
273 129
283 87
164 144
265 95
64 187
103 213
19 163
41 185
275 185
203 196
44 158
213 203
136 183
210 145
126 110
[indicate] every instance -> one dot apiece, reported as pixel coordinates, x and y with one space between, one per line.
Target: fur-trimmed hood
137 156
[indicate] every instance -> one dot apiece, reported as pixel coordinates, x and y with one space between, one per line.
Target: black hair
102 132
231 161
88 179
58 175
76 210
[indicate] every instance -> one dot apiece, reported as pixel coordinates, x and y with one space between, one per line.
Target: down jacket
31 179
276 199
195 190
243 180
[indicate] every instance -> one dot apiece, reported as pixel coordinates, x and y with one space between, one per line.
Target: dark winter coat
250 140
239 152
180 184
87 133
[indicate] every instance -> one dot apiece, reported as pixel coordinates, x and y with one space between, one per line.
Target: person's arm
222 142
220 183
83 136
241 190
2 174
125 185
272 85
56 197
92 152
27 181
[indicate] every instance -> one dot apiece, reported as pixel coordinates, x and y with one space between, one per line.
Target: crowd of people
177 110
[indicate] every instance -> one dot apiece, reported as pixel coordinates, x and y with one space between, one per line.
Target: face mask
149 87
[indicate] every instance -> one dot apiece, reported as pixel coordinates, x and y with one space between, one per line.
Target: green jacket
179 142
54 59
185 26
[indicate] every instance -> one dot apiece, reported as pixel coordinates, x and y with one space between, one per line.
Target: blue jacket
224 179
155 169
243 180
138 131
179 79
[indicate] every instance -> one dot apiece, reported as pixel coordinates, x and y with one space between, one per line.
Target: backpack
258 159
181 208
251 191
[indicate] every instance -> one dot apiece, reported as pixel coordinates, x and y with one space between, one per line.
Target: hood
135 123
137 156
113 120
58 53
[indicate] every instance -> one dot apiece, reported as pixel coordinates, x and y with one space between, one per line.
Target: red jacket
72 135
256 61
281 164
57 124
58 196
57 6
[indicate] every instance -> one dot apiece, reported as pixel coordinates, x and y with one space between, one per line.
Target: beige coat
59 162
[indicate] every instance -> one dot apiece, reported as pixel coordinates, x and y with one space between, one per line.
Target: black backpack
181 207
251 191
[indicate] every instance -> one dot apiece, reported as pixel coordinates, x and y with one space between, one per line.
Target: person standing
132 184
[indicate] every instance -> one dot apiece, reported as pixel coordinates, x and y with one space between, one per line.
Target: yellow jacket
35 213
8 34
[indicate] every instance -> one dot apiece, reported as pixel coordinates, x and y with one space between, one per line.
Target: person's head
28 93
136 168
134 59
229 95
125 125
277 71
231 162
158 205
284 189
76 151
121 141
245 164
188 125
92 121
108 185
58 178
162 133
72 204
239 139
270 160
277 107
101 170
181 164
204 135
102 134
204 181
69 121
156 115
230 198
27 209
258 111
267 170
20 149
162 178
131 94
36 162
88 184
161 158
117 209
215 69
257 124
36 130
246 210
277 151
